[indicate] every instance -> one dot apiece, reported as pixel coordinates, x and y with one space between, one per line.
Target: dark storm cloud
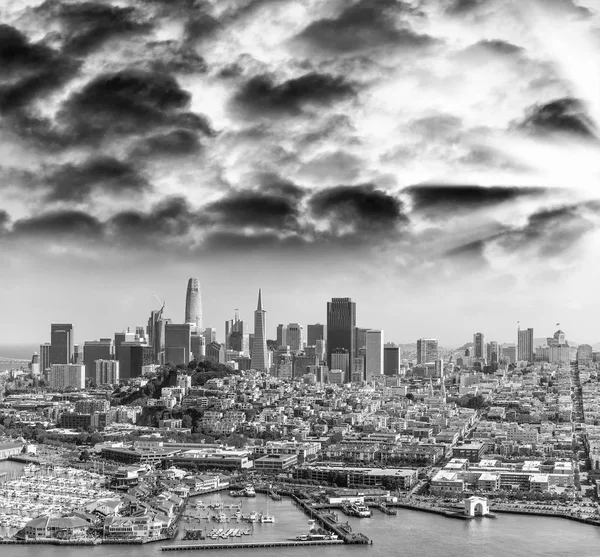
59 223
254 208
493 47
365 25
566 115
170 218
28 70
176 142
363 206
96 175
442 198
127 102
171 56
89 25
273 184
262 95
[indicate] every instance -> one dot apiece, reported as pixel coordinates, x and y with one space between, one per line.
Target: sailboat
267 518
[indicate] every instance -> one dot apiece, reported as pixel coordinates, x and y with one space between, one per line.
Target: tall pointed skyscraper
260 357
193 305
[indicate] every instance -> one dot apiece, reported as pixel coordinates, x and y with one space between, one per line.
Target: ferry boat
359 510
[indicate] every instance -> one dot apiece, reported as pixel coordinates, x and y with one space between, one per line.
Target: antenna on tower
237 314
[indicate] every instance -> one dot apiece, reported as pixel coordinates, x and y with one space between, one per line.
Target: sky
434 160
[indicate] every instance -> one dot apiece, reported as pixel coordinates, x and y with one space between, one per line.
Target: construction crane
160 312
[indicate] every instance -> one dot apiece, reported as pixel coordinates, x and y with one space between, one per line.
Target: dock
249 545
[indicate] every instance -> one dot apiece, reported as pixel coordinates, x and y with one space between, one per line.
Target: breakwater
249 545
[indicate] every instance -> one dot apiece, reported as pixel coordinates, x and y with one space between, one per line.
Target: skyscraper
281 335
236 335
294 335
525 345
341 322
340 359
479 345
427 350
156 332
45 356
96 350
193 304
260 357
61 343
360 339
391 359
178 342
313 333
374 358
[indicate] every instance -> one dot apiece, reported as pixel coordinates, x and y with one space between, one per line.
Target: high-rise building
391 359
96 350
236 335
193 304
294 336
321 350
479 345
374 358
134 356
120 338
340 359
493 352
77 354
63 376
35 365
281 335
260 356
45 356
155 333
358 370
439 369
509 353
62 339
178 342
313 333
427 350
525 345
584 354
360 339
106 372
215 352
210 335
301 362
341 322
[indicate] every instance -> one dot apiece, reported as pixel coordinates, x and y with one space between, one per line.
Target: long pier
249 545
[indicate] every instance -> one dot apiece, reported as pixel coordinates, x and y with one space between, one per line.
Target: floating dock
250 545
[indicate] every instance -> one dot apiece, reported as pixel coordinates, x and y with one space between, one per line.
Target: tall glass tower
193 305
341 322
260 357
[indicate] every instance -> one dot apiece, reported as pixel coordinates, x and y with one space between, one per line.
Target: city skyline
421 164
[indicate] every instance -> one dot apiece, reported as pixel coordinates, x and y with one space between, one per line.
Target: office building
77 354
374 356
525 345
358 370
62 339
584 354
35 365
96 350
44 357
301 362
360 339
106 372
493 352
294 336
236 335
120 338
341 325
340 360
478 345
210 335
215 352
509 353
391 360
178 342
313 333
321 350
439 369
281 335
67 376
260 356
193 305
134 356
427 351
155 333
